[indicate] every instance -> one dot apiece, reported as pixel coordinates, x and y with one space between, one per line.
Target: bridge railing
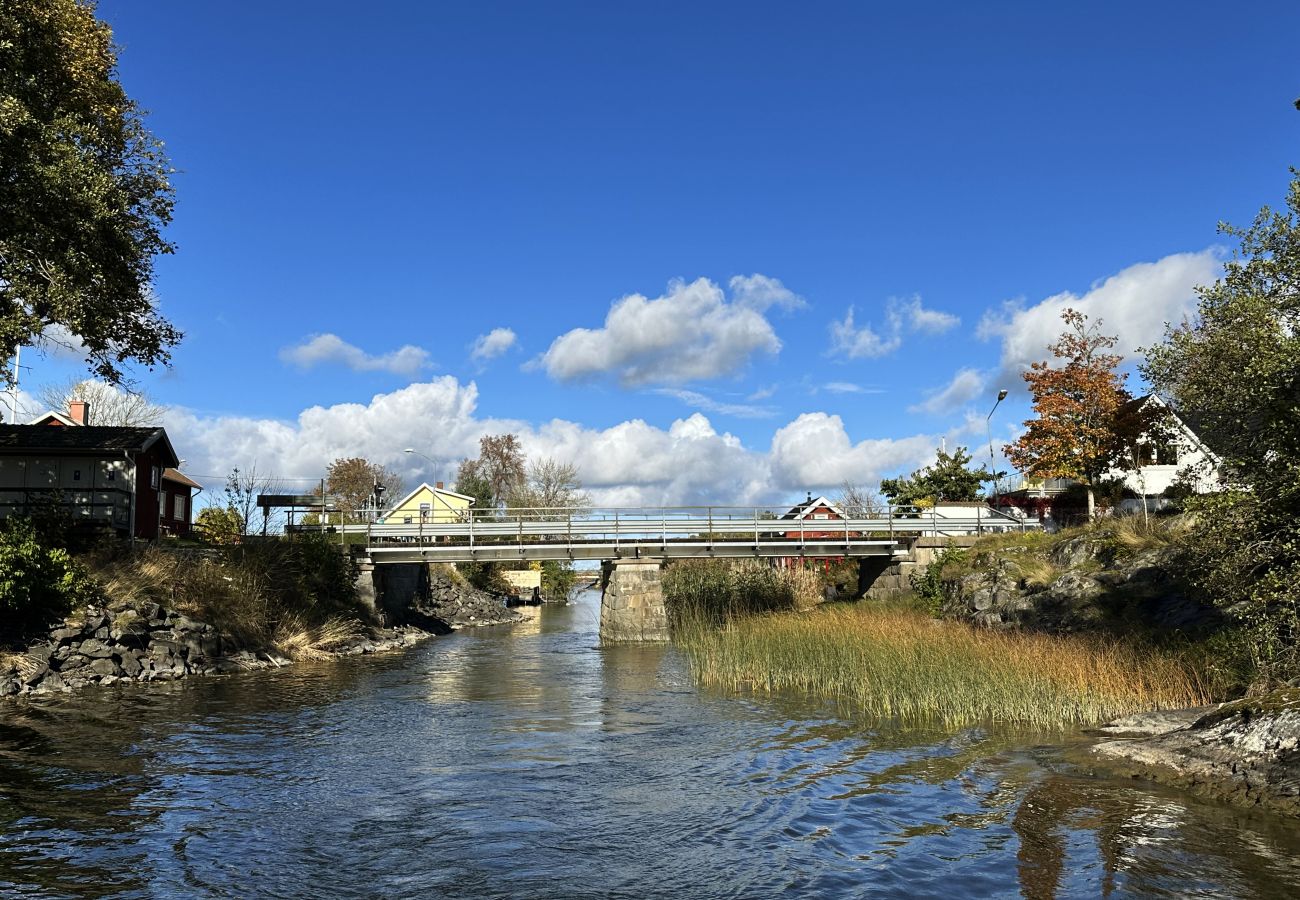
663 525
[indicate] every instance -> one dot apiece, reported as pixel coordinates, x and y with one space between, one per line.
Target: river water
527 762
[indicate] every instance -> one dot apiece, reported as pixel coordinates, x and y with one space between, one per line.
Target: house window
178 507
155 478
821 515
406 520
76 474
426 510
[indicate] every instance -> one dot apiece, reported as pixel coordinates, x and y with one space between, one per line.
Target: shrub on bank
39 584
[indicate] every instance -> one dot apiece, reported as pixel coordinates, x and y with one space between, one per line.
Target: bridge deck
658 533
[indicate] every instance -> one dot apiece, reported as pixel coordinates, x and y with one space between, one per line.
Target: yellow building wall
442 507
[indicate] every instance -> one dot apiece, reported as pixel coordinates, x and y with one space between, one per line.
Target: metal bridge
660 533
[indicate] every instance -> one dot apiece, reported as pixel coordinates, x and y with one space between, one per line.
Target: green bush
38 584
927 583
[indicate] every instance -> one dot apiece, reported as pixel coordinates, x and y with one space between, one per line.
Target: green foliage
486 576
38 584
1234 373
558 579
947 478
927 583
84 191
221 525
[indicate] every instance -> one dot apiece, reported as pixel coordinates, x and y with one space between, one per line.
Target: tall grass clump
262 593
900 663
715 590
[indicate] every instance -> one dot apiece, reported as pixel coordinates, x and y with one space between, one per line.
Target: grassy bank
897 662
297 596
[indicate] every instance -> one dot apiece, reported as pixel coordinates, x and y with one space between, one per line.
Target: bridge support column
870 570
632 604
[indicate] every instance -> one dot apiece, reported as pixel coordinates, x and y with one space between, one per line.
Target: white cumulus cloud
691 332
815 451
901 317
631 463
1133 304
965 386
321 349
761 293
493 344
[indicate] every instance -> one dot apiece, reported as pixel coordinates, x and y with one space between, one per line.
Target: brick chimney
79 411
438 485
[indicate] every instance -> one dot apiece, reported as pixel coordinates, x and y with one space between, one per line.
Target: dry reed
901 664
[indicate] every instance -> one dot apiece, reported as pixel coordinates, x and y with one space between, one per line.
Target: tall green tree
949 477
84 194
1233 371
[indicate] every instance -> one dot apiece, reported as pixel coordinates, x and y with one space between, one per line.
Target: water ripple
533 764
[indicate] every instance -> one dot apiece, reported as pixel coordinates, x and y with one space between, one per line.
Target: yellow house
429 504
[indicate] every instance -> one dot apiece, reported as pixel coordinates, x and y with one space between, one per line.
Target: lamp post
988 428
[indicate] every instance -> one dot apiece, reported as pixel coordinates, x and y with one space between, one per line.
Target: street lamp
988 428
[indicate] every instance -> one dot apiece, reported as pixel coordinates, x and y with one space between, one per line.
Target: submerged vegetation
901 663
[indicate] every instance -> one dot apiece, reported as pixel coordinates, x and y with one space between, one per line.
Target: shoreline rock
451 606
142 641
1246 752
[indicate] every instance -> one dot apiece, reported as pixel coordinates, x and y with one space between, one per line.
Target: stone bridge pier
632 603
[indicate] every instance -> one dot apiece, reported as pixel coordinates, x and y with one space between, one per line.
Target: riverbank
134 637
140 640
1246 753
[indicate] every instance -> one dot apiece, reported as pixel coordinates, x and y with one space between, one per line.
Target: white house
1161 463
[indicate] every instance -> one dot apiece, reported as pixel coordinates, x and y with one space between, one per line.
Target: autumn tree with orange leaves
1086 423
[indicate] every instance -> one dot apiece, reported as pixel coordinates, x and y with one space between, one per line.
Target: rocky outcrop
1246 752
139 640
129 640
1081 585
450 605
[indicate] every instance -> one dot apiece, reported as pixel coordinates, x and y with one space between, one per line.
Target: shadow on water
529 762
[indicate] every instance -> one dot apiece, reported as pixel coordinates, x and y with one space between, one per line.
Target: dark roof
22 440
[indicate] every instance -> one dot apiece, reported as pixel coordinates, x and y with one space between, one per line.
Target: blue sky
841 226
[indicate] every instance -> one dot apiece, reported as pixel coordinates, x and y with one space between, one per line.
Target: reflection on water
529 762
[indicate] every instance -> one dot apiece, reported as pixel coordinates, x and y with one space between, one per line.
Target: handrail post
471 532
756 529
663 526
616 528
889 511
846 535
